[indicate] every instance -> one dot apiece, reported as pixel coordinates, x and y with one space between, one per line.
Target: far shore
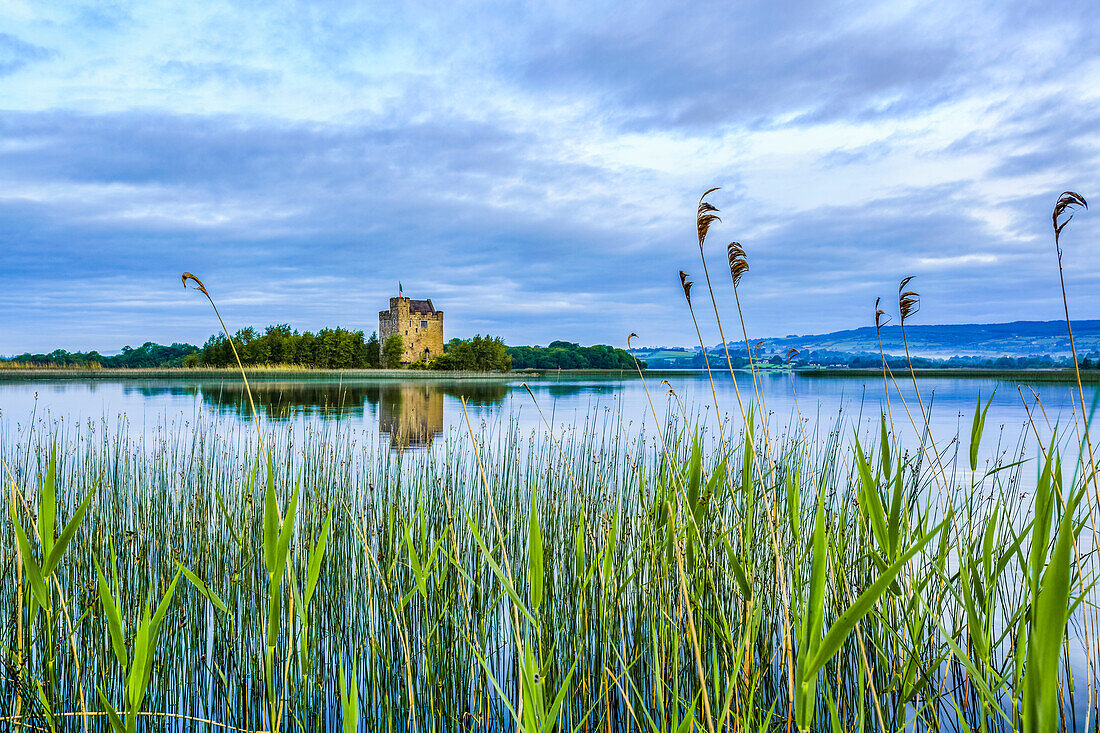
267 373
251 372
1022 375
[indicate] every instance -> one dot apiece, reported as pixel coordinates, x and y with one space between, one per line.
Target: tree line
146 356
329 348
339 348
568 355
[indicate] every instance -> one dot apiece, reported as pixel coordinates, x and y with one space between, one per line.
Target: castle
419 325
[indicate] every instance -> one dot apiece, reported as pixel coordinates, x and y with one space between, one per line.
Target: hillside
1017 339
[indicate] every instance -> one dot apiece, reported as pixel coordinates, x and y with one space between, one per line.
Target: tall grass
629 580
661 579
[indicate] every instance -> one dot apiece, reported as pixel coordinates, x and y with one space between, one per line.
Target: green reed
508 580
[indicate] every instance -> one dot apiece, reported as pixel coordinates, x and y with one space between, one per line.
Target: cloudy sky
534 167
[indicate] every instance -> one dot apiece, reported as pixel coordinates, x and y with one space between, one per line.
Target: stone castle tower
419 325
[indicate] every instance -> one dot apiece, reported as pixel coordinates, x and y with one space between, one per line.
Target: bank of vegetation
148 355
334 348
588 583
569 355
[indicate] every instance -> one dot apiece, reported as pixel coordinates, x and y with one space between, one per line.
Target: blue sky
534 168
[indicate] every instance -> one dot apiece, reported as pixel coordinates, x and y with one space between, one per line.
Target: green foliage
1050 612
393 351
349 699
976 430
568 355
329 348
577 601
479 354
535 556
136 669
146 356
374 351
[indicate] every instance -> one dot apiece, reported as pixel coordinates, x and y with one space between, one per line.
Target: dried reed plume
908 300
791 354
686 284
252 404
705 216
881 316
739 262
198 283
1067 202
759 345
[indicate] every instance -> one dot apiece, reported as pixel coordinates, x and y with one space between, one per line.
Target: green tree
479 354
568 355
374 351
392 351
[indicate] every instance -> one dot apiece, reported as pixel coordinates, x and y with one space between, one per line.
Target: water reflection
409 412
283 400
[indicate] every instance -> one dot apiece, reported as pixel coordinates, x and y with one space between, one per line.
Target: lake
388 461
415 413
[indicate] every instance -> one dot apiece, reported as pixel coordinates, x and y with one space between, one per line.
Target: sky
534 168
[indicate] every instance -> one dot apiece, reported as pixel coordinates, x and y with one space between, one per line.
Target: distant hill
1015 340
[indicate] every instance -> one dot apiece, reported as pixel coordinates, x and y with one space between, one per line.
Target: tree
392 351
479 354
568 355
374 351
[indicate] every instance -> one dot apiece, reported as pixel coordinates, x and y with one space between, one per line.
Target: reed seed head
739 262
908 300
686 284
881 317
705 216
791 354
1067 202
198 283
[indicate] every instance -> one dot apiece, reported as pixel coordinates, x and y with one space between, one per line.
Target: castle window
423 324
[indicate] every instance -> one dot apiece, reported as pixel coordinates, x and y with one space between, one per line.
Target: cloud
16 54
534 169
194 73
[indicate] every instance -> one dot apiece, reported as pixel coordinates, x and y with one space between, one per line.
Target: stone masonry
419 325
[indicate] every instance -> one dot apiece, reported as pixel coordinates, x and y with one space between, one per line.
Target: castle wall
422 333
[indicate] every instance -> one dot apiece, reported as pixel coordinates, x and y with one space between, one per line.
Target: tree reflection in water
410 412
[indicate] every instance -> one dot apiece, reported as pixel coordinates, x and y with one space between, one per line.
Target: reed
665 579
613 544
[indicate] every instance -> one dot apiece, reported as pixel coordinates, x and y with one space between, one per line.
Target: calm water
416 413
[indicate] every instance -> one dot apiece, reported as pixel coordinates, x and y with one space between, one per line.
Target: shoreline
258 373
1023 375
250 372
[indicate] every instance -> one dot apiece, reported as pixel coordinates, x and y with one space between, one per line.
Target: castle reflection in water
412 414
409 412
